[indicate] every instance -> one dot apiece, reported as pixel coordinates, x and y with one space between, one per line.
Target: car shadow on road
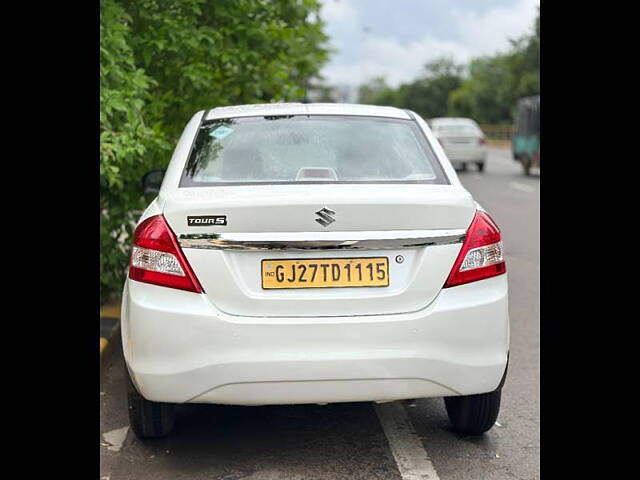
511 174
217 442
305 441
445 446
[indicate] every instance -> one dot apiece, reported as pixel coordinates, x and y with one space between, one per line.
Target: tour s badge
206 220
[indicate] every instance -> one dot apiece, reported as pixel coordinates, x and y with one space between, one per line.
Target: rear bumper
475 155
179 348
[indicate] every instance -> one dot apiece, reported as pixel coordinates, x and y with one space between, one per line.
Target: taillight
157 258
481 255
482 141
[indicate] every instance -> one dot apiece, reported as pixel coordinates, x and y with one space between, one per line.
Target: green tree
206 53
376 92
495 82
125 140
427 95
162 61
488 94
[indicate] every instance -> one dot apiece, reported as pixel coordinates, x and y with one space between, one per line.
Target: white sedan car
462 141
313 253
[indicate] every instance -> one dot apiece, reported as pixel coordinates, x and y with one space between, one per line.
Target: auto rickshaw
526 139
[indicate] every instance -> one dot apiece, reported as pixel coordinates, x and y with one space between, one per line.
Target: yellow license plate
325 273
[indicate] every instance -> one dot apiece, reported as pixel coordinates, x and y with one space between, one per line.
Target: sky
395 38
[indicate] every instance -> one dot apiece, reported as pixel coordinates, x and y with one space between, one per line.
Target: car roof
267 109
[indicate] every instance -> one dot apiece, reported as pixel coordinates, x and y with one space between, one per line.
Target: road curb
109 328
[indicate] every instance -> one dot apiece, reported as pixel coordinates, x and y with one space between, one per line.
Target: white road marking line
410 456
522 187
115 438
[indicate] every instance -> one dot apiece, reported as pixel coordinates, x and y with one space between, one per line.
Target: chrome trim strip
381 240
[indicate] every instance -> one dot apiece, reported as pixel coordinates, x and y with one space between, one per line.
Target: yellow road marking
112 310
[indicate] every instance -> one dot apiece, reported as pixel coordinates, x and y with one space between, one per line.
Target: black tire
480 166
473 414
526 165
148 419
463 167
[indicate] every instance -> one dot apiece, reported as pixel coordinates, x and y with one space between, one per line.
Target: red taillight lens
482 141
481 255
157 258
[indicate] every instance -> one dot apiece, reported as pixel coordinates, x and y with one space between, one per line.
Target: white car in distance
462 140
313 253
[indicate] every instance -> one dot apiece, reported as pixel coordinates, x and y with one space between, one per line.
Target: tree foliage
495 83
126 140
427 95
163 60
488 92
205 53
377 92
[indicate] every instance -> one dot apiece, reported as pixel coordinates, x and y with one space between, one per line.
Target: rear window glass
310 149
458 129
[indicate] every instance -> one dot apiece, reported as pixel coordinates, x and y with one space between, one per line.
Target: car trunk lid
368 217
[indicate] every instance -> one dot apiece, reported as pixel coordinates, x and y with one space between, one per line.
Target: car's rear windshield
310 149
457 129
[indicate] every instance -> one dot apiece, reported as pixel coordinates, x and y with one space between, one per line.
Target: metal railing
498 132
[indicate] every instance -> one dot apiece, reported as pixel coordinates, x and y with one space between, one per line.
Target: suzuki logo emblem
325 216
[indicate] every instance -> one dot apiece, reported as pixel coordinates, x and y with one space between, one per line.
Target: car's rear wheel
148 419
473 414
526 164
480 166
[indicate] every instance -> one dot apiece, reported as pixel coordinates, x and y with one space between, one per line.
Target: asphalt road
349 441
